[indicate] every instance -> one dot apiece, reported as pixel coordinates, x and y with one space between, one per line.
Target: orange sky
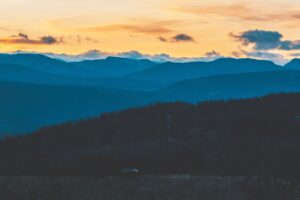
124 25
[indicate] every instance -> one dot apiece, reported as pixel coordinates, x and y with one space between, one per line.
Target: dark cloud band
182 38
22 38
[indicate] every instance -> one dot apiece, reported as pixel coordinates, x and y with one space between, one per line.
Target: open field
177 187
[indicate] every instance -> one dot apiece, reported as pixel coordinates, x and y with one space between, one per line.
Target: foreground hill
242 137
117 188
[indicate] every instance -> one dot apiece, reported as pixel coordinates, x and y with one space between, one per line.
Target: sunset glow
145 26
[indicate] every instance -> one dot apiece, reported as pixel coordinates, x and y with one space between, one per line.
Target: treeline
259 136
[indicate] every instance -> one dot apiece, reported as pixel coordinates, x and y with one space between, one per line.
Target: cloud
213 53
295 54
262 55
48 40
98 54
92 54
22 38
22 35
182 38
244 11
265 40
240 10
290 45
146 27
163 39
262 40
177 38
79 39
95 54
132 54
92 40
88 55
6 29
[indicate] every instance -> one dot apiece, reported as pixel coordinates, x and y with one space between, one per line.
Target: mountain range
38 91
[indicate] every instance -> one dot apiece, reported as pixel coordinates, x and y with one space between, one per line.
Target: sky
267 29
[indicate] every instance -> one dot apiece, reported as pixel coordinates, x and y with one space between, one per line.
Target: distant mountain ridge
172 72
114 66
23 74
233 86
293 65
109 67
40 69
38 62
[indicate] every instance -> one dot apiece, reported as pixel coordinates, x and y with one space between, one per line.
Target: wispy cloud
98 54
262 55
295 55
244 11
162 39
154 28
213 53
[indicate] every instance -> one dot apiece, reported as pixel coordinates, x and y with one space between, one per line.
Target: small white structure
129 172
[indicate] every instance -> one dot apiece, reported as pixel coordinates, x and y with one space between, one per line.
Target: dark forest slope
242 137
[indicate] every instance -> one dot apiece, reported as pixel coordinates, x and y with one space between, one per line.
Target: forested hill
240 137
